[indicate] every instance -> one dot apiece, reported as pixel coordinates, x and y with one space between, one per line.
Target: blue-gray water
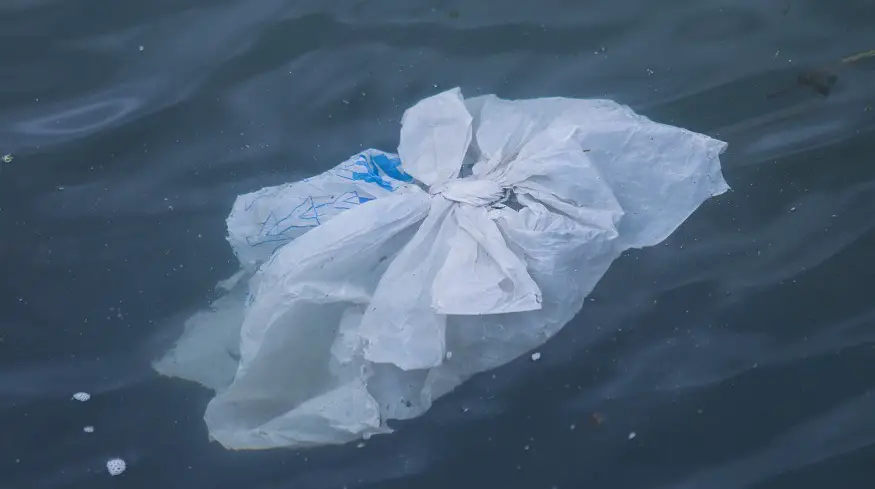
740 353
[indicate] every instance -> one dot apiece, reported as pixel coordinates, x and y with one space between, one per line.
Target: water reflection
82 120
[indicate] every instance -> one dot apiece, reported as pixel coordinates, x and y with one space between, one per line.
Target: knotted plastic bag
370 290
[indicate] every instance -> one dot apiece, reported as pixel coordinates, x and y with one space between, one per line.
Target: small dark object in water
821 81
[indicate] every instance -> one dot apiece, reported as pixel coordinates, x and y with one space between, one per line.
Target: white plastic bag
483 242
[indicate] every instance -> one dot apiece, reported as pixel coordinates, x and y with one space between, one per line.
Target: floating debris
536 356
7 158
859 56
88 429
597 419
116 466
632 435
81 396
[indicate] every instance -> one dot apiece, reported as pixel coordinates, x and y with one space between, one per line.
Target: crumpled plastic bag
371 290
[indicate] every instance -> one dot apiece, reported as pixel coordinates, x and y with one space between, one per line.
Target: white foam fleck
81 396
116 466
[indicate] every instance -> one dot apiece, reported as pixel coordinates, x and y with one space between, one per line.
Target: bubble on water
82 396
116 466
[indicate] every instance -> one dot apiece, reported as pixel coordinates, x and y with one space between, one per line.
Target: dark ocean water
740 353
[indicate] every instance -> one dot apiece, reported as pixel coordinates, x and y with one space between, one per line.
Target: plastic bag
384 283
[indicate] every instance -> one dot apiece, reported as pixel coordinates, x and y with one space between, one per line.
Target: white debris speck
82 396
360 445
449 355
7 158
116 466
88 429
793 209
632 435
142 47
536 356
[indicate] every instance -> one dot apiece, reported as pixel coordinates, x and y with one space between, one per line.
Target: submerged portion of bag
370 290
